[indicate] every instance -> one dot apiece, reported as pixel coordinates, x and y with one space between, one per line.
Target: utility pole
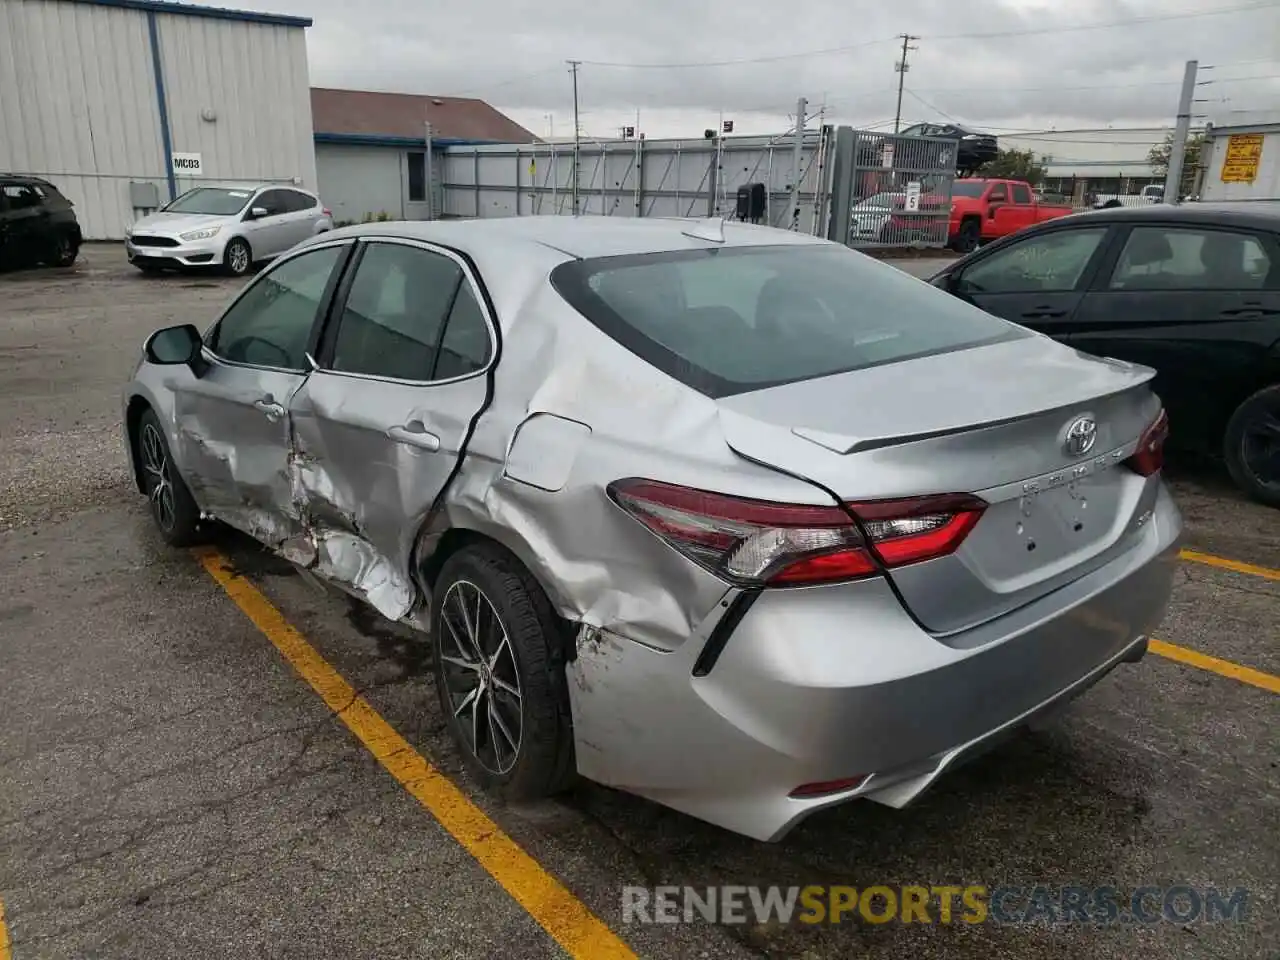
1178 148
797 156
577 133
430 173
902 67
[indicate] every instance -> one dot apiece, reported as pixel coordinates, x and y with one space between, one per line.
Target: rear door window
1180 258
395 312
1021 193
297 202
20 196
737 319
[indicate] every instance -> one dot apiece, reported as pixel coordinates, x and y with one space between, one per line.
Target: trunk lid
991 421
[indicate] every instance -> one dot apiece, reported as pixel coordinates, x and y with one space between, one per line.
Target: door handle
1247 312
1042 312
268 406
415 435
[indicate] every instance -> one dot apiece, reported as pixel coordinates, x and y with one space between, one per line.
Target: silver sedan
735 519
228 227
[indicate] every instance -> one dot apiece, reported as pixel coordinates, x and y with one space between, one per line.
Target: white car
228 227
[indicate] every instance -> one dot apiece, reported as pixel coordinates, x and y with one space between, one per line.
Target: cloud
1044 71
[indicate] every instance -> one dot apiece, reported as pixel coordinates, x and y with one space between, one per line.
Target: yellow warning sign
1244 153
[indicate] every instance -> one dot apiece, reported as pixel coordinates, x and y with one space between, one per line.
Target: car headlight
204 234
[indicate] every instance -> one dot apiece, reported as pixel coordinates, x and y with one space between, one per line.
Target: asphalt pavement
172 786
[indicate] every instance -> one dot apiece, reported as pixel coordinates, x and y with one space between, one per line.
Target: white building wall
78 102
1105 152
1267 184
360 181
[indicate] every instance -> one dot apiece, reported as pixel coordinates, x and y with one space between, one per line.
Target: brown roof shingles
371 114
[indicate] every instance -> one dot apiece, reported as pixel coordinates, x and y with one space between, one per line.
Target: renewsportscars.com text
934 904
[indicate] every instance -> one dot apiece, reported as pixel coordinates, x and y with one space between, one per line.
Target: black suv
37 224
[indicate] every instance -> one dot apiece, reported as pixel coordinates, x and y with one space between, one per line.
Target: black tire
66 247
487 579
173 509
1251 446
969 236
237 258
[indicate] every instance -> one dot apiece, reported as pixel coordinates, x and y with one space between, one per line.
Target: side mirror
257 213
172 346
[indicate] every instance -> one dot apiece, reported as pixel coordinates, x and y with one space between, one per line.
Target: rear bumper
827 683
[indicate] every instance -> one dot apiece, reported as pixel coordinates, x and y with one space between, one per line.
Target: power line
507 83
1029 32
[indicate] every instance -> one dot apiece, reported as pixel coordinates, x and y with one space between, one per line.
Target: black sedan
1192 291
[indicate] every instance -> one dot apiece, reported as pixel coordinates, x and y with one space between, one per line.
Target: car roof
582 236
1256 214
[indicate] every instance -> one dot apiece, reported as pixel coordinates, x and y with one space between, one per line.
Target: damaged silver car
735 519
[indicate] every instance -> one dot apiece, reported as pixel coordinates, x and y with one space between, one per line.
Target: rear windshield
736 319
970 189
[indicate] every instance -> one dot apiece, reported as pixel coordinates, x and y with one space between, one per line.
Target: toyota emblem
1081 436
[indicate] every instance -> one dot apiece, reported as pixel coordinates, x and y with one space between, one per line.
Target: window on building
417 176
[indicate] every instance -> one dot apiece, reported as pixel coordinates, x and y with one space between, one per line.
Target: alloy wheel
1260 446
482 678
159 480
239 256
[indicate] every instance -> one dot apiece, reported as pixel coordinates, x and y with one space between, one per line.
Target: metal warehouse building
124 104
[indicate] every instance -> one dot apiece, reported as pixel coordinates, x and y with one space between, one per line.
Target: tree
1013 164
1158 159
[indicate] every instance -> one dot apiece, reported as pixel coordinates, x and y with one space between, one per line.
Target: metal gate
892 190
856 187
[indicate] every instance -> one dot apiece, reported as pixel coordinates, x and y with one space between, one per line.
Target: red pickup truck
984 209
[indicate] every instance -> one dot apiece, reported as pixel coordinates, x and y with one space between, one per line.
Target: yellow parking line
5 952
1223 563
1225 668
559 912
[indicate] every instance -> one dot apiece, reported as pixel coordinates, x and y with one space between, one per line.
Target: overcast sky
1044 72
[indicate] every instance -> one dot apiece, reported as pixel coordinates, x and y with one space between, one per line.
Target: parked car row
227 228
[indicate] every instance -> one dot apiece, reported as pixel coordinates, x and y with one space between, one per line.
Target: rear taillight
326 211
1149 457
758 543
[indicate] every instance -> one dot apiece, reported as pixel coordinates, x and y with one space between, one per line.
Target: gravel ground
172 789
